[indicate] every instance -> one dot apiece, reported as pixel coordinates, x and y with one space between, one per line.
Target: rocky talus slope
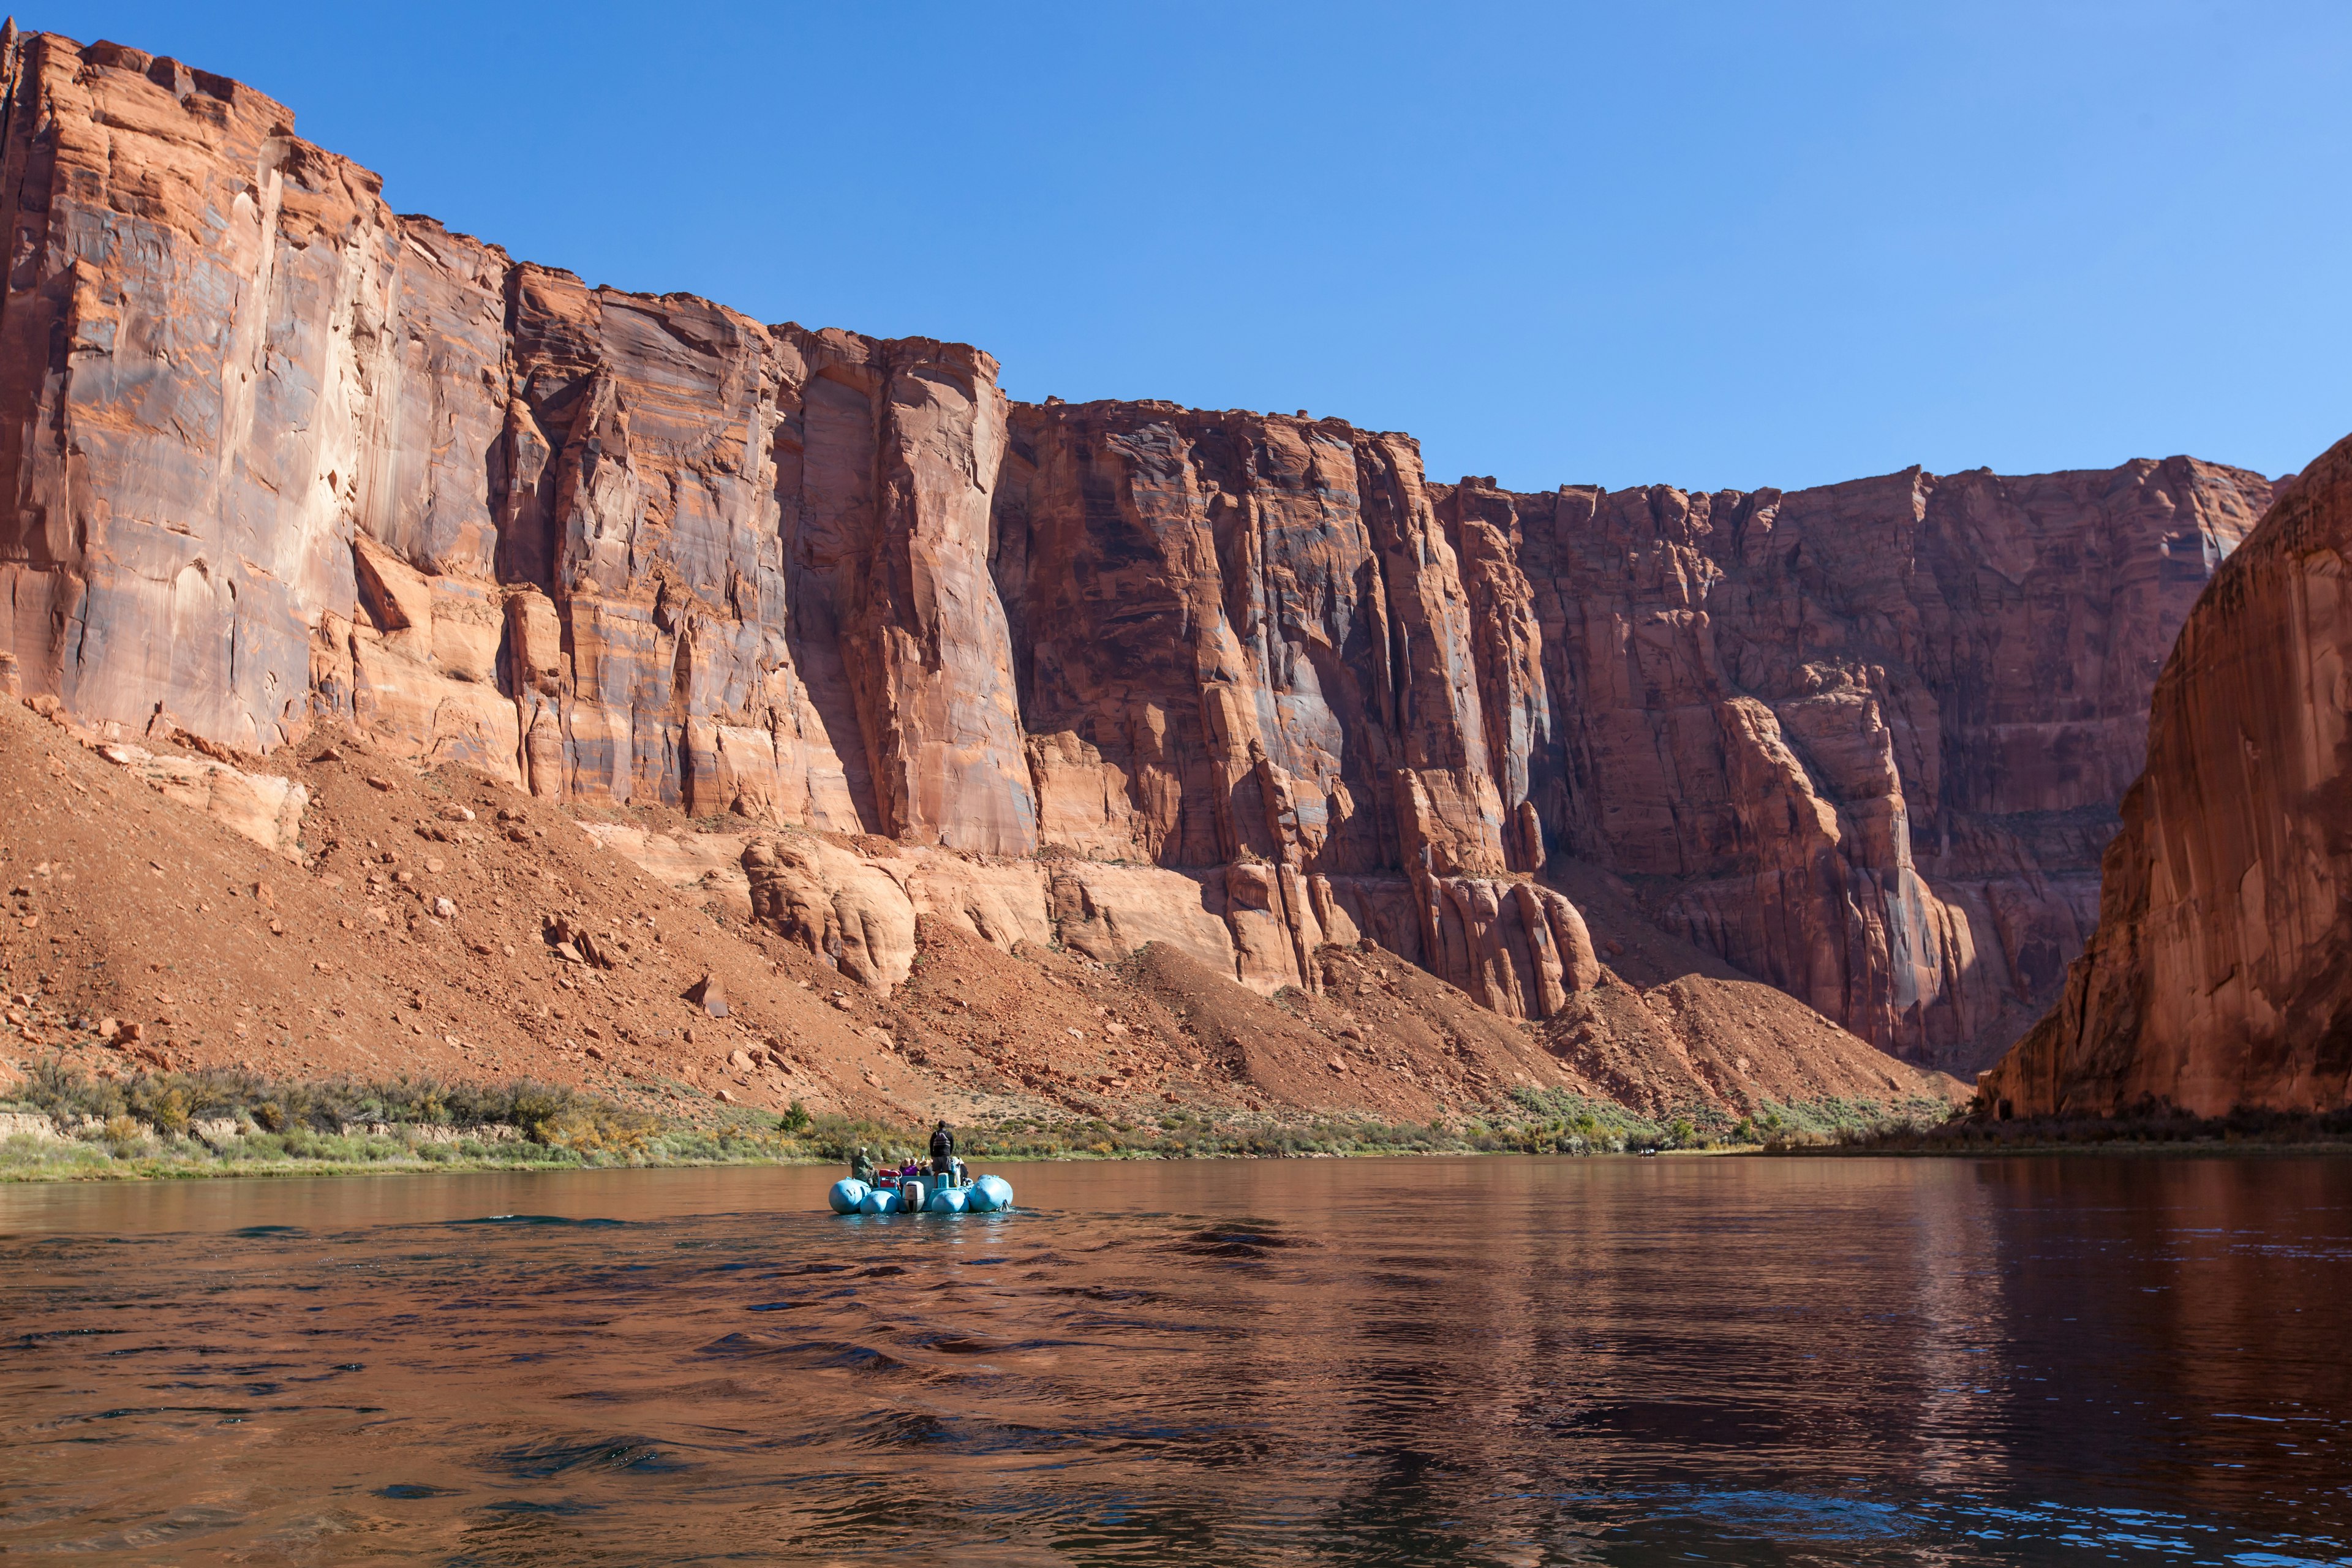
1115 677
440 922
2220 976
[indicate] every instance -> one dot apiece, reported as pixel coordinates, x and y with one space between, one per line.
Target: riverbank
2155 1131
65 1125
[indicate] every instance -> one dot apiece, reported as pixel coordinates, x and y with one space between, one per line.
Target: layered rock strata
275 455
2220 976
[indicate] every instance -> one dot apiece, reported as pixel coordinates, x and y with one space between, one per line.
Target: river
1451 1361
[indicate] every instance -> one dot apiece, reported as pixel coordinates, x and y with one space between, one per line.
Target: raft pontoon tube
984 1194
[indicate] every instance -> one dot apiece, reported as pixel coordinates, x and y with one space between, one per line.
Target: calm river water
1477 1360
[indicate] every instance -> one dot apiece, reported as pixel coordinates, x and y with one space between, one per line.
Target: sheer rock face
2220 975
1243 636
274 454
1247 641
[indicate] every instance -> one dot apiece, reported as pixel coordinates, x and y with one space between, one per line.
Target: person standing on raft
943 1160
861 1166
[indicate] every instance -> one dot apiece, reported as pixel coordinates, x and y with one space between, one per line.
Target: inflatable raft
983 1194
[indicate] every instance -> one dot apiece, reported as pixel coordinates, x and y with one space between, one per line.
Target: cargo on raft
983 1195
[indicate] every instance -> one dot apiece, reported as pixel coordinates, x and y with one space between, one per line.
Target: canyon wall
275 456
1864 742
2220 976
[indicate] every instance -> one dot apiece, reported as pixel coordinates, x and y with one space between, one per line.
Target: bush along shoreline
62 1124
2150 1128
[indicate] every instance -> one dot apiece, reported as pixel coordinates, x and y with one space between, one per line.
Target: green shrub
535 1110
169 1111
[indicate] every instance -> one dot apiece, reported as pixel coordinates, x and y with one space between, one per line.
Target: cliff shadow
1626 937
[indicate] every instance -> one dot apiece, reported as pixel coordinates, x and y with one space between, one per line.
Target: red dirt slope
416 927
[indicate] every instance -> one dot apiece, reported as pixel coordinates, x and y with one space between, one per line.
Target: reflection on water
1509 1362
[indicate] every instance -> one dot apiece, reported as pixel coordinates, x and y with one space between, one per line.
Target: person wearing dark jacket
942 1152
861 1166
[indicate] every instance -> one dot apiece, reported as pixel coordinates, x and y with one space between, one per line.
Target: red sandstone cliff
1864 742
277 456
2218 977
275 453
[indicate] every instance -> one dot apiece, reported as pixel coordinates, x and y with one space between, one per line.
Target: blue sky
1709 245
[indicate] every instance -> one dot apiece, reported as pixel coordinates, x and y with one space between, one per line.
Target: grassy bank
65 1125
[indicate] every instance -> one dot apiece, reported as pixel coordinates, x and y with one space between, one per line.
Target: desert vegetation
64 1123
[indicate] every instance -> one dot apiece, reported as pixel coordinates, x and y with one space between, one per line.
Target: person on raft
943 1160
861 1166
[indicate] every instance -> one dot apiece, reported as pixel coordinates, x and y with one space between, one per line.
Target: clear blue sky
1708 244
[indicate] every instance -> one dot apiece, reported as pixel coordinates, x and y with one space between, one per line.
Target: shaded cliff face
2220 975
277 456
1864 742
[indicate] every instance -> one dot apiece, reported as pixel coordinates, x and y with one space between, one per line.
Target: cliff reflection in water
1474 1360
